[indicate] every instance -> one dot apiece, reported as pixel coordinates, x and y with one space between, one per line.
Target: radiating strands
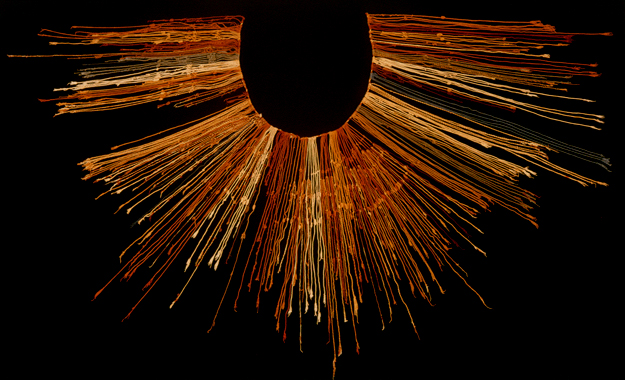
445 74
165 59
209 174
457 55
495 125
380 200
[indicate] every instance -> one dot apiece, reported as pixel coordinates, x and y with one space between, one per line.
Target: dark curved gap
306 71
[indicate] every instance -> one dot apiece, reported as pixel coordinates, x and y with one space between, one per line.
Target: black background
553 290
